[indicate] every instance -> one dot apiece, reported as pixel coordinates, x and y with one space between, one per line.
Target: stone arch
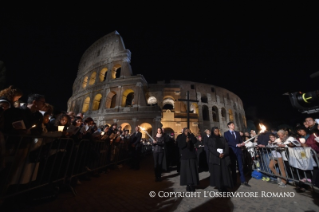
86 104
215 114
110 100
223 112
204 98
97 102
103 74
85 81
169 130
127 98
205 113
168 103
152 100
116 71
126 126
194 108
231 115
147 127
92 78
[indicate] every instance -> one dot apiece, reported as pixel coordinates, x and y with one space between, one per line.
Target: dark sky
258 65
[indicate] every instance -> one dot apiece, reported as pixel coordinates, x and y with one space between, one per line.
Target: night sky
258 65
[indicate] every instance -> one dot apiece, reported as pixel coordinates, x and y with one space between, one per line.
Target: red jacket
313 143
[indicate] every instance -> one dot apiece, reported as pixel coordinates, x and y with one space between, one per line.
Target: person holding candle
219 162
62 120
188 170
158 154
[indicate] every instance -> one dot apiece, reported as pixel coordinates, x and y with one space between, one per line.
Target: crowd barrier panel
305 158
32 162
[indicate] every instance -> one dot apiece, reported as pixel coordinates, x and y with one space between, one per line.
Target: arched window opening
97 102
203 99
92 78
223 113
103 74
148 128
86 105
205 113
168 103
168 106
85 81
215 114
126 127
127 98
194 108
152 100
110 100
231 116
116 71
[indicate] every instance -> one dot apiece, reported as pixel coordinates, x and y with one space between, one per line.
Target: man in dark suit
234 142
135 143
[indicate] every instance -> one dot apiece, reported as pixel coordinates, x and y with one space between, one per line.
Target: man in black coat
135 144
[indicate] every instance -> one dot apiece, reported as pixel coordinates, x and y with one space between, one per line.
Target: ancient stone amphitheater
107 90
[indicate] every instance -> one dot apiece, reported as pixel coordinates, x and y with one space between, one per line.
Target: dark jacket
135 139
214 155
187 149
159 145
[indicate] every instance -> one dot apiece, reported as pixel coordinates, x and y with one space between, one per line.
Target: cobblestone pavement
124 189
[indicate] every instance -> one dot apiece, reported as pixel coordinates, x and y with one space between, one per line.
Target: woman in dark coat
158 153
220 175
201 155
188 169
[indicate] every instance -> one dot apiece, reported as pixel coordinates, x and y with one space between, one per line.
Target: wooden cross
188 101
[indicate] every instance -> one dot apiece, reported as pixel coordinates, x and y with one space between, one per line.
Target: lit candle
102 133
60 128
146 133
263 129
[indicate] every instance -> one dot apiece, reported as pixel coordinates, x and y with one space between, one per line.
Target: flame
262 127
34 126
142 128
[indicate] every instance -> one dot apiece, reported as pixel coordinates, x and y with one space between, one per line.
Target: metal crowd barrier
306 162
33 162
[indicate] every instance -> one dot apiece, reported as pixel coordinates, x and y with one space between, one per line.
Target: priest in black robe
219 162
188 170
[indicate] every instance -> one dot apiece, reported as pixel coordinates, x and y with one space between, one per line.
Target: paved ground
124 189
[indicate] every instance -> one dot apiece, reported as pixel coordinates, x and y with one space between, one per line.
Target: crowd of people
37 118
237 152
223 156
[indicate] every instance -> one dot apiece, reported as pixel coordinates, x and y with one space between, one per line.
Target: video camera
306 102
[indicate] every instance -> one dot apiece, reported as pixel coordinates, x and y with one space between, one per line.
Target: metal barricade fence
33 162
274 162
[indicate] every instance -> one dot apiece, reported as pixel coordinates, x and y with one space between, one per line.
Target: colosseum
107 90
